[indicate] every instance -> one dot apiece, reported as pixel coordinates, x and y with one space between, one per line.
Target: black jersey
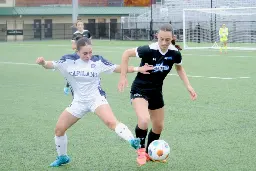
78 34
162 62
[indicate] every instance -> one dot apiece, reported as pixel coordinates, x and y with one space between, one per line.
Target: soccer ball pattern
158 150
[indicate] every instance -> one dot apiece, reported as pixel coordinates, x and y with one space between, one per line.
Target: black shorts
155 100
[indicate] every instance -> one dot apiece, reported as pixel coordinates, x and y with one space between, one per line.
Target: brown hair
166 27
84 41
78 21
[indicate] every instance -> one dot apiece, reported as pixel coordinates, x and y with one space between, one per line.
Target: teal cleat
60 160
66 90
135 143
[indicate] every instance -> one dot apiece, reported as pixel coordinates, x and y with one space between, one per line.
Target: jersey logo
60 61
168 58
93 65
154 59
137 95
83 74
160 68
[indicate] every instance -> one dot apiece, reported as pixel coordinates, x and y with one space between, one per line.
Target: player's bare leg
221 45
140 106
106 114
225 46
65 121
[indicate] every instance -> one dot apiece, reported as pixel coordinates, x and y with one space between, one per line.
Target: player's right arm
141 52
46 64
60 64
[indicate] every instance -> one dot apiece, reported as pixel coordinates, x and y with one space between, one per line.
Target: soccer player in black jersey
146 90
81 32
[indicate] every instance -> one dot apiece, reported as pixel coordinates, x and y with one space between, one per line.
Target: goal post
201 27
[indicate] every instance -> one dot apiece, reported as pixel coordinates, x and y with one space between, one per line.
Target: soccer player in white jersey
146 90
81 32
83 76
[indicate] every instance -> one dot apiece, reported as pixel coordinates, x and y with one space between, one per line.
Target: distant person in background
223 32
81 32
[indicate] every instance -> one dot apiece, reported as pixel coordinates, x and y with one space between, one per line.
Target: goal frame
215 44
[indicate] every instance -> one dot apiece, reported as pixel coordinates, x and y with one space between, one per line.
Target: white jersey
84 76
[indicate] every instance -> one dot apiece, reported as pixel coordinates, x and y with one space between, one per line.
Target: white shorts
79 109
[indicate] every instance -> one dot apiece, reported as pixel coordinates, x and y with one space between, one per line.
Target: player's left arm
183 76
221 34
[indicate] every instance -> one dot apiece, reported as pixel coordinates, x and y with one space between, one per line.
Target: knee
143 121
158 128
59 131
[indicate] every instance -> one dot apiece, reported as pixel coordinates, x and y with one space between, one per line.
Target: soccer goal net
201 27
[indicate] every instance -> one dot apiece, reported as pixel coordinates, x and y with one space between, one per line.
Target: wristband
45 63
136 69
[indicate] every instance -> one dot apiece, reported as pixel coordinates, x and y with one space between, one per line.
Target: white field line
14 63
123 48
192 76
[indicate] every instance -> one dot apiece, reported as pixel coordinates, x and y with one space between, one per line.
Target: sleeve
178 58
106 66
74 36
60 64
63 58
142 51
89 35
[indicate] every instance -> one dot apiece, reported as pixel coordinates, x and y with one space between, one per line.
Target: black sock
152 137
142 134
67 85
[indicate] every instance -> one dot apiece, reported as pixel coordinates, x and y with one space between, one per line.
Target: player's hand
122 83
40 61
144 69
192 93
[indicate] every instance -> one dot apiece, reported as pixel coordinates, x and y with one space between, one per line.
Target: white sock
61 144
123 131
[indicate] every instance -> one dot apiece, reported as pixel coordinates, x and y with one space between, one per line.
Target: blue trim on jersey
102 92
73 56
96 58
